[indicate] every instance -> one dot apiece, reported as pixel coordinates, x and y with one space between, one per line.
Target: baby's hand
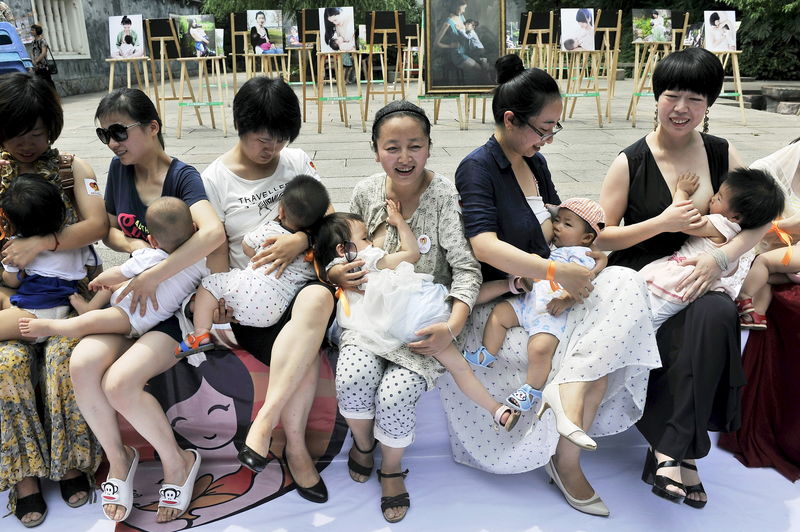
688 182
395 217
558 305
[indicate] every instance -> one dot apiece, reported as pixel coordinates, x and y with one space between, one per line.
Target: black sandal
403 500
33 503
71 486
694 488
355 467
660 482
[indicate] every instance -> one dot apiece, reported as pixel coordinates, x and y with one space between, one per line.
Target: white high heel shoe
594 505
552 399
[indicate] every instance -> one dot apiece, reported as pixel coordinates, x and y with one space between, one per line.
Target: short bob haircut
692 69
264 104
398 108
25 98
305 201
755 196
522 91
131 102
33 206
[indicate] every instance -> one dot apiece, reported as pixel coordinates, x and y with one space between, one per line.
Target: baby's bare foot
34 327
80 305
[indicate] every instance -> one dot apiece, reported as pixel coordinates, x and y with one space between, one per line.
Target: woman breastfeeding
110 371
598 379
377 394
697 389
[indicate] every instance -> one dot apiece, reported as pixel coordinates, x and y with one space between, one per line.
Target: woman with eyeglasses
245 186
599 372
110 371
59 446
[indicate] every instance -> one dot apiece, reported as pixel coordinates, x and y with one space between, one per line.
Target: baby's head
169 221
32 206
303 203
578 222
569 44
470 24
128 39
335 232
749 197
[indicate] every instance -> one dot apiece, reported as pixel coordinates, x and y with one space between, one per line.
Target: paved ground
578 158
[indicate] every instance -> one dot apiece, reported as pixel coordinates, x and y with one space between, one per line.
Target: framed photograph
291 31
694 36
337 29
652 25
196 35
23 25
219 37
577 29
126 36
720 30
266 31
463 41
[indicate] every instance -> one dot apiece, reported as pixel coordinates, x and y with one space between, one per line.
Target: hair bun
508 67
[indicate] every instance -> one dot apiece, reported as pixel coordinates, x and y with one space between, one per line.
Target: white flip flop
179 497
120 492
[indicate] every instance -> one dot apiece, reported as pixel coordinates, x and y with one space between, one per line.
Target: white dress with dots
259 300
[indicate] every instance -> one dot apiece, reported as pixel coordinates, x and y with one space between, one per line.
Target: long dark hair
522 91
131 102
330 27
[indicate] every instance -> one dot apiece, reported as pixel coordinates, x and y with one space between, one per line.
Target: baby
543 311
475 47
170 224
746 199
257 299
397 302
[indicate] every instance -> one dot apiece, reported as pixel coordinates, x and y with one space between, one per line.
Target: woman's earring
705 122
655 120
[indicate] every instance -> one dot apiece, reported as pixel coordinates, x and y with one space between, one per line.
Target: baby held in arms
169 222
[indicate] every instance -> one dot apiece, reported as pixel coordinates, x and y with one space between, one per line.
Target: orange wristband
551 275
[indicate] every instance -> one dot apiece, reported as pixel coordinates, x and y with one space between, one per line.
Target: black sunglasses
118 132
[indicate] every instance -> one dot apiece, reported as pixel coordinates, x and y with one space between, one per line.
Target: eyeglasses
118 132
545 136
351 253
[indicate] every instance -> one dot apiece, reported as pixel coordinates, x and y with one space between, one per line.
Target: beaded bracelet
720 258
451 333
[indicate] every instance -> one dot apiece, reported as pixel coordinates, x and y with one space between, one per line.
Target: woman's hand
575 279
600 261
349 275
680 216
20 252
280 251
142 287
437 339
698 281
223 313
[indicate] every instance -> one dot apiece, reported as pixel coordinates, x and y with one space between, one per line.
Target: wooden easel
437 102
647 55
162 41
203 82
128 61
412 69
608 32
271 64
235 50
537 39
340 95
733 57
387 35
308 20
583 70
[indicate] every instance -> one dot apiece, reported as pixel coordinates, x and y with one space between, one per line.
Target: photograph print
337 29
266 31
126 36
196 35
463 41
720 30
652 25
291 31
577 29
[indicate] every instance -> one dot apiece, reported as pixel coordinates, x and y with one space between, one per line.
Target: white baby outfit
259 300
531 308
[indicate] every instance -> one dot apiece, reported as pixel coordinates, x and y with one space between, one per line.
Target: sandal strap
33 503
357 468
695 488
668 463
687 465
71 486
402 500
374 444
403 474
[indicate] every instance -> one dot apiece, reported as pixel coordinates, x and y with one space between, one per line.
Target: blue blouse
493 202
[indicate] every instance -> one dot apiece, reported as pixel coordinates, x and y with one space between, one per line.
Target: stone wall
78 76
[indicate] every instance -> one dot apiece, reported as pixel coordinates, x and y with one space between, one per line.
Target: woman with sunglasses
245 186
60 446
599 373
110 371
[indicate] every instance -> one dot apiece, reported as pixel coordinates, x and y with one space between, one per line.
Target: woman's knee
313 306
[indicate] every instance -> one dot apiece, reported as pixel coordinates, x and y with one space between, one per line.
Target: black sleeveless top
649 195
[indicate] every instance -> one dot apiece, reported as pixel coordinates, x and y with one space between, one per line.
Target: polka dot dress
608 334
